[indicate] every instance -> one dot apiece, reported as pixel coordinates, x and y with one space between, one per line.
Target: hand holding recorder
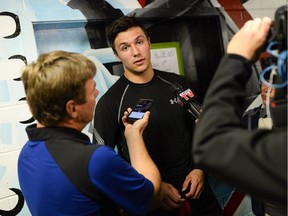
137 127
139 110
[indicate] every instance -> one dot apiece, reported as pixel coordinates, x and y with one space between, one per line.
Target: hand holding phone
138 111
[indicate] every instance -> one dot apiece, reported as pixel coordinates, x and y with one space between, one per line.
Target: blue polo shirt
48 191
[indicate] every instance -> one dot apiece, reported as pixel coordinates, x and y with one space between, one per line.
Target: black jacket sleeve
254 161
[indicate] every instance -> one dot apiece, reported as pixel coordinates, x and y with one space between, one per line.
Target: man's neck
140 78
71 124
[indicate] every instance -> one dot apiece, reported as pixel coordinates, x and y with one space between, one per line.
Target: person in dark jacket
255 161
169 133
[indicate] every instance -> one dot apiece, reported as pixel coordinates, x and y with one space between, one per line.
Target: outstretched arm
139 156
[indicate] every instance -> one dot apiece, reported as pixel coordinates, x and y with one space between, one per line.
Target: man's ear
148 38
71 108
117 57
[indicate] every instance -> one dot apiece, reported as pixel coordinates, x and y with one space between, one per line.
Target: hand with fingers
249 40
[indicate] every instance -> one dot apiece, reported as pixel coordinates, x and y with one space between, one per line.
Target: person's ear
149 42
71 109
117 57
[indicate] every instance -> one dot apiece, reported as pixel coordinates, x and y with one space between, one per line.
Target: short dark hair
123 24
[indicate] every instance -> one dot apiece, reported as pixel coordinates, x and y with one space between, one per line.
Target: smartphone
138 111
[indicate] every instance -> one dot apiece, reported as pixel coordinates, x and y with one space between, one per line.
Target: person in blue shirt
60 171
